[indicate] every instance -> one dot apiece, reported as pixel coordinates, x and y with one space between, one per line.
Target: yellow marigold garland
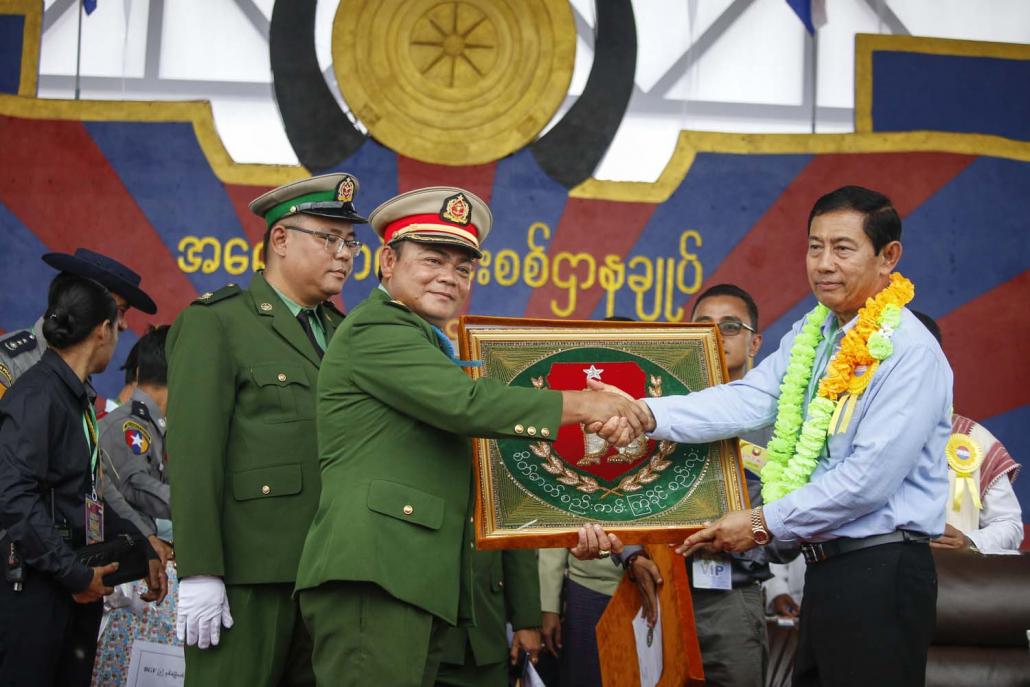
794 450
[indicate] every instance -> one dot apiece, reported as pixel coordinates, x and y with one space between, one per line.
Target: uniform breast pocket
284 392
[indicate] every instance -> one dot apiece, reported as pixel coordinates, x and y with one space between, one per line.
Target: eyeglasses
334 244
733 327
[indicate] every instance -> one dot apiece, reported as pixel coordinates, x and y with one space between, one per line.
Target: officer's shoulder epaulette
397 304
20 342
227 291
140 410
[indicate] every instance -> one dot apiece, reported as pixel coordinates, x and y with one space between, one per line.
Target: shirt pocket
405 503
283 392
268 482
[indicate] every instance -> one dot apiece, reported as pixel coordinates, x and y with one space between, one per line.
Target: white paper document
649 648
156 665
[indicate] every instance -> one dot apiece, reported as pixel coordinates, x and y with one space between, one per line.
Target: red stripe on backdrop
769 261
412 174
59 184
592 227
240 197
990 378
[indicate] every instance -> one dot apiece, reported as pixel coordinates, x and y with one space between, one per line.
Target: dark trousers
580 664
868 618
45 637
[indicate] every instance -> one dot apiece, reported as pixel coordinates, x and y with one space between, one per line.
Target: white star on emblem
137 440
593 373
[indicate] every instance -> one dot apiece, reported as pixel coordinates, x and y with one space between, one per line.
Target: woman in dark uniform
48 495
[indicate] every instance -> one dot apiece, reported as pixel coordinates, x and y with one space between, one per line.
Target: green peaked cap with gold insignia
327 195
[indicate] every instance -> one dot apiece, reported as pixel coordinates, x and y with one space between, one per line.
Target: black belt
817 552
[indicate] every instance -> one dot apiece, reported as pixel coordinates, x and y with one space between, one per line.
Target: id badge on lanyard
94 515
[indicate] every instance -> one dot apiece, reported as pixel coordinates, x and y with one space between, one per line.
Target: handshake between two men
607 411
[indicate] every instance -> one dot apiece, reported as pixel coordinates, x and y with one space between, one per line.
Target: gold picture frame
532 493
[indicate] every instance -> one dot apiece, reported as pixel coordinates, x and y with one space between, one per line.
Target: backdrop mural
942 127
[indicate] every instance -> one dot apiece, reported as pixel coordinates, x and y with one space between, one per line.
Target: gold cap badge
345 191
456 209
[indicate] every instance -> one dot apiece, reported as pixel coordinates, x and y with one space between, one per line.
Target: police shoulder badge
137 438
456 209
345 191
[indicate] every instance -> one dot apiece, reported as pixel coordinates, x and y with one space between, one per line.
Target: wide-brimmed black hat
109 272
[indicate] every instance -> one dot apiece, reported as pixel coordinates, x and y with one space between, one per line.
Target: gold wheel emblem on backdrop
454 82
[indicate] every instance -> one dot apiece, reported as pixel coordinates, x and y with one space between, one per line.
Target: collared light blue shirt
886 471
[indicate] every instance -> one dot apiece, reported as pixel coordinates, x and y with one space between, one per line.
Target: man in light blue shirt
880 487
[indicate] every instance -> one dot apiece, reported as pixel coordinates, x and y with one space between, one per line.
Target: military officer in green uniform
242 464
506 589
23 348
386 566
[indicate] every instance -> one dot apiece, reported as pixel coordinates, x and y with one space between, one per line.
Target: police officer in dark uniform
23 348
50 605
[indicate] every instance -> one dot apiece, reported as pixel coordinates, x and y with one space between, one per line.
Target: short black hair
151 364
882 223
735 292
930 324
75 306
131 363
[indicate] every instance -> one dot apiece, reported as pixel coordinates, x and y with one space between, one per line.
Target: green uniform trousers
363 636
731 632
267 644
471 675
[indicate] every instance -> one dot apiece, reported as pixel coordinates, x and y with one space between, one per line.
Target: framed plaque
533 493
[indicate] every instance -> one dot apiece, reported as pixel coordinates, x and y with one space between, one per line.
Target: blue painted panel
12 35
983 95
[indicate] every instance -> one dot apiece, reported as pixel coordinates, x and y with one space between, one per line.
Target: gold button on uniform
545 432
281 377
531 431
265 306
266 490
207 295
519 429
408 510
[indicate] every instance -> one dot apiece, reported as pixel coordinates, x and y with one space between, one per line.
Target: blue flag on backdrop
90 5
802 8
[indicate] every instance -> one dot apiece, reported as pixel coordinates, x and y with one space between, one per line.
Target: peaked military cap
112 274
438 214
327 195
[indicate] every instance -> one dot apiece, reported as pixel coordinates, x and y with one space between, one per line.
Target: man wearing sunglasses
243 460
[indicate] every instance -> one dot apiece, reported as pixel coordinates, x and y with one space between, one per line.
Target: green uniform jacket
506 588
242 455
394 419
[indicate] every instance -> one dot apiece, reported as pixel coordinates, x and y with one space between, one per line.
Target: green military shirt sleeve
552 563
401 369
521 588
201 392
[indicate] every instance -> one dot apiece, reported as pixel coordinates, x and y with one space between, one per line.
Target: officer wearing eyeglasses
243 461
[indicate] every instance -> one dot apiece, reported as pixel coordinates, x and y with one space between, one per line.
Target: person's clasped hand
202 611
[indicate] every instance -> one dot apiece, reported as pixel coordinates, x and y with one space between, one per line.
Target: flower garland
797 442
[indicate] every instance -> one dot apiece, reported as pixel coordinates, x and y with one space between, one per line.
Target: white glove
202 611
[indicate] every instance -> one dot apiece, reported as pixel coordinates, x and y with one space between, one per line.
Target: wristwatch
758 531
